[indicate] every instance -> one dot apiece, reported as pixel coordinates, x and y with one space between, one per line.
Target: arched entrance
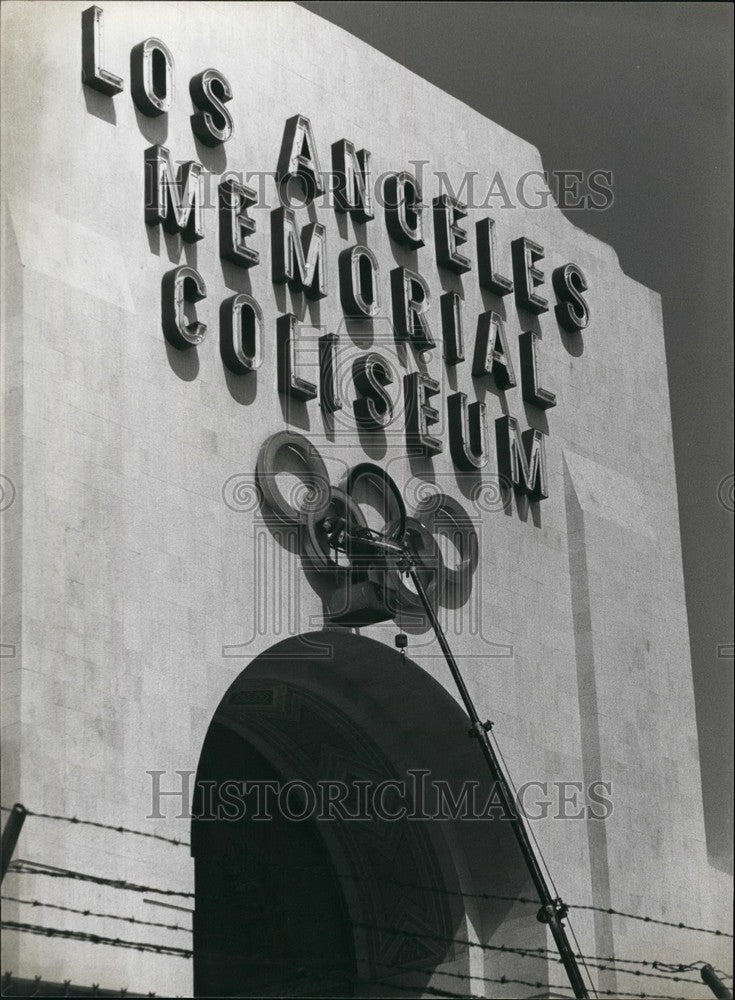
360 897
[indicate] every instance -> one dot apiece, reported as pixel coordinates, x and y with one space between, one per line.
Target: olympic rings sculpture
315 506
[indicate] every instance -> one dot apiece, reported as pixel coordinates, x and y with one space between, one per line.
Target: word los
174 199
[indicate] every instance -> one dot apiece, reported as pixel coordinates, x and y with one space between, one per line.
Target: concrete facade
134 585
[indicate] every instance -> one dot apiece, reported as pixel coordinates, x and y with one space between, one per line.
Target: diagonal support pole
552 910
372 546
16 819
710 977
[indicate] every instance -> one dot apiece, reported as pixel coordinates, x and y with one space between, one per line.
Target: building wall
130 580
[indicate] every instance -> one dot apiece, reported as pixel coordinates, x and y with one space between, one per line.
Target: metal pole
16 819
552 910
710 977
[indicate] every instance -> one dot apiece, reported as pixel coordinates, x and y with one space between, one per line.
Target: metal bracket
479 728
559 910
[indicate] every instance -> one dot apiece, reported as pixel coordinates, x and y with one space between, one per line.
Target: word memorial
175 200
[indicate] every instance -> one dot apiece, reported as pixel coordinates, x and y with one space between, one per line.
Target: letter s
212 123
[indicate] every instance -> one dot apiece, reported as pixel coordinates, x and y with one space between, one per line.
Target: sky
643 90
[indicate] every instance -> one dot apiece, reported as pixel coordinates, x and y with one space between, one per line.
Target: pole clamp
556 910
479 728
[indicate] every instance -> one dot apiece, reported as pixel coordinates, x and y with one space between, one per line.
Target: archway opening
321 869
270 915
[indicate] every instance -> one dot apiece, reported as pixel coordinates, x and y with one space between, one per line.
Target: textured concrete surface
126 574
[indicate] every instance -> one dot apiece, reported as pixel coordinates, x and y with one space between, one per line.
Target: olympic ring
376 475
318 509
317 495
317 550
443 515
422 544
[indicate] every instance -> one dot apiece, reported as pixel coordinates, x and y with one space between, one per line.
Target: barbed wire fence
657 969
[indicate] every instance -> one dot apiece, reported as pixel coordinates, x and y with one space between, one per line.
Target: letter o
151 77
241 334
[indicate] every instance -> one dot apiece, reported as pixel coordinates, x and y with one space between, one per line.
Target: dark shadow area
573 342
270 915
242 388
212 158
294 412
185 364
359 330
236 278
374 442
155 130
100 105
420 465
153 235
536 417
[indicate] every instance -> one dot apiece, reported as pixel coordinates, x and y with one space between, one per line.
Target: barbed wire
488 896
610 911
651 920
542 954
492 896
34 868
40 929
168 950
144 946
677 966
506 980
601 963
103 826
94 913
